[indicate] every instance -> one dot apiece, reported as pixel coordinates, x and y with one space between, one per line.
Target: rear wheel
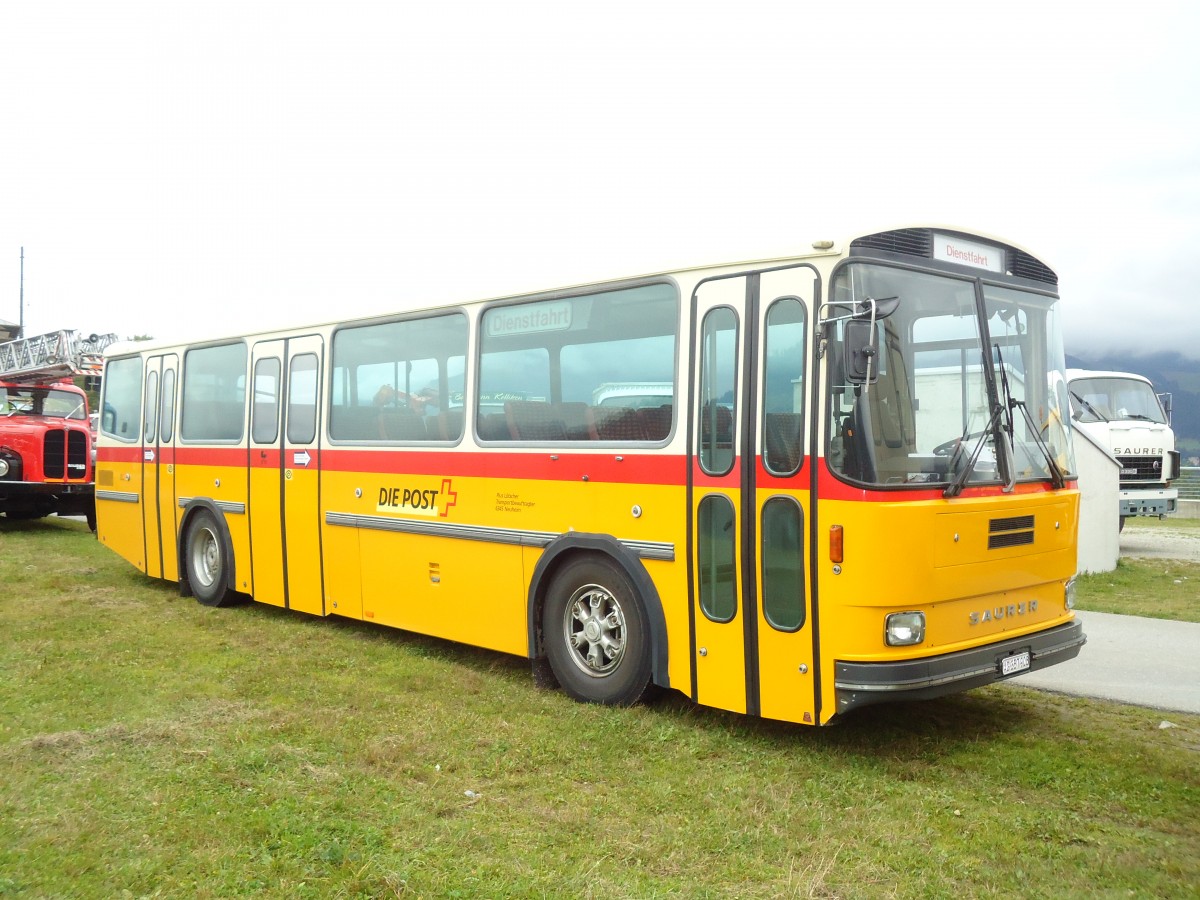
205 558
596 633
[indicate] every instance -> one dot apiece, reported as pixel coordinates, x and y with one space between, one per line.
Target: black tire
205 559
597 633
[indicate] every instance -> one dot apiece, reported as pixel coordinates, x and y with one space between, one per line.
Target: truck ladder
52 356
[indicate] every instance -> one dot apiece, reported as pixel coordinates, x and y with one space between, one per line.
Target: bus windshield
38 401
956 382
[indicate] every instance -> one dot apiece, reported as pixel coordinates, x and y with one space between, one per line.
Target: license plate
1018 662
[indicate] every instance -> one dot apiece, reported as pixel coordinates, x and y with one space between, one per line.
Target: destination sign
550 315
968 253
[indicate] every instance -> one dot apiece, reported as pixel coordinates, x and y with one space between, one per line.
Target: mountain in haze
1171 373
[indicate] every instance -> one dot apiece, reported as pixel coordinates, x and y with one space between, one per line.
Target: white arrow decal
149 456
301 459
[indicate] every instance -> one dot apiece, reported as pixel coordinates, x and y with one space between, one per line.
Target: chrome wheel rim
206 557
594 628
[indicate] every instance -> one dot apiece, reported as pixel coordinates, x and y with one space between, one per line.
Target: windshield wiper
954 488
1057 477
998 423
1089 408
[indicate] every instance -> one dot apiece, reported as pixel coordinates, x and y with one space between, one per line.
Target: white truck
1121 411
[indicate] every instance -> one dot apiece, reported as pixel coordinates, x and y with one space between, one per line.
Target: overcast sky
179 169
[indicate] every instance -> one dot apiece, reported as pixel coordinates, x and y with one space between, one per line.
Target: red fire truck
46 443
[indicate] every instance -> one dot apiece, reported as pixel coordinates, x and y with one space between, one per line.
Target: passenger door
159 519
285 431
750 495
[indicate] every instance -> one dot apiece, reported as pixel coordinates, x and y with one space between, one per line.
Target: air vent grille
1010 524
1014 531
910 241
1023 265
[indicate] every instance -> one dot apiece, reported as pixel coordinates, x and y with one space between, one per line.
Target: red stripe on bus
541 465
830 487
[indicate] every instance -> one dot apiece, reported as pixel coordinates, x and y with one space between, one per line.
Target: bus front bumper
862 684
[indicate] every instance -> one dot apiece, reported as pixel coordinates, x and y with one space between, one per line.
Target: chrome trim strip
224 505
118 496
516 536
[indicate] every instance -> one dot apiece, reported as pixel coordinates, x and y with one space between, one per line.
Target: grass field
153 747
1159 588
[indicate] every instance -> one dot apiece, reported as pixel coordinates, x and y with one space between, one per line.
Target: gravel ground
1161 543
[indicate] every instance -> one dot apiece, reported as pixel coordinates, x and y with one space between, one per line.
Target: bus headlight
3 466
904 628
1070 593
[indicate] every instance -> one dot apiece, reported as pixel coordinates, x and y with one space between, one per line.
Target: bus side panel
119 522
458 590
341 563
461 589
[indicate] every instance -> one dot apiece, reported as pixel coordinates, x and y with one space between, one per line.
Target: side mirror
858 351
882 308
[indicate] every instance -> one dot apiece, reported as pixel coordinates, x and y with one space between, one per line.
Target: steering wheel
947 448
950 447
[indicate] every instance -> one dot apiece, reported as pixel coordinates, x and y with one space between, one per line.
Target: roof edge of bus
816 248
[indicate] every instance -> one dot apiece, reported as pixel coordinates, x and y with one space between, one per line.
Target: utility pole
21 323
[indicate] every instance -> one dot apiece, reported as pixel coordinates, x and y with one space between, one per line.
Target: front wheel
596 632
205 558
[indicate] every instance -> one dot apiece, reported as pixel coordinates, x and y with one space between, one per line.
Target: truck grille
65 455
1141 468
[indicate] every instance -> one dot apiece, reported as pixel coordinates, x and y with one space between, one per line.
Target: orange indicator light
835 543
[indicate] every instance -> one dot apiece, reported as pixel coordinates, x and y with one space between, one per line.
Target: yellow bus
788 488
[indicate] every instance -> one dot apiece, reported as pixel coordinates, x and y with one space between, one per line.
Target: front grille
77 454
1014 531
1141 468
54 454
65 455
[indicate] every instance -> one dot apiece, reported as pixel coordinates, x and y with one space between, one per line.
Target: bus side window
265 425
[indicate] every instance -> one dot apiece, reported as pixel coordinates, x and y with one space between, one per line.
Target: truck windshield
1109 399
39 401
962 384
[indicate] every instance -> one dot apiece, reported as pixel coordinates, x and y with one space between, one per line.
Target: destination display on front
967 253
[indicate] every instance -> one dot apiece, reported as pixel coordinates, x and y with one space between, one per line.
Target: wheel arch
574 544
189 514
